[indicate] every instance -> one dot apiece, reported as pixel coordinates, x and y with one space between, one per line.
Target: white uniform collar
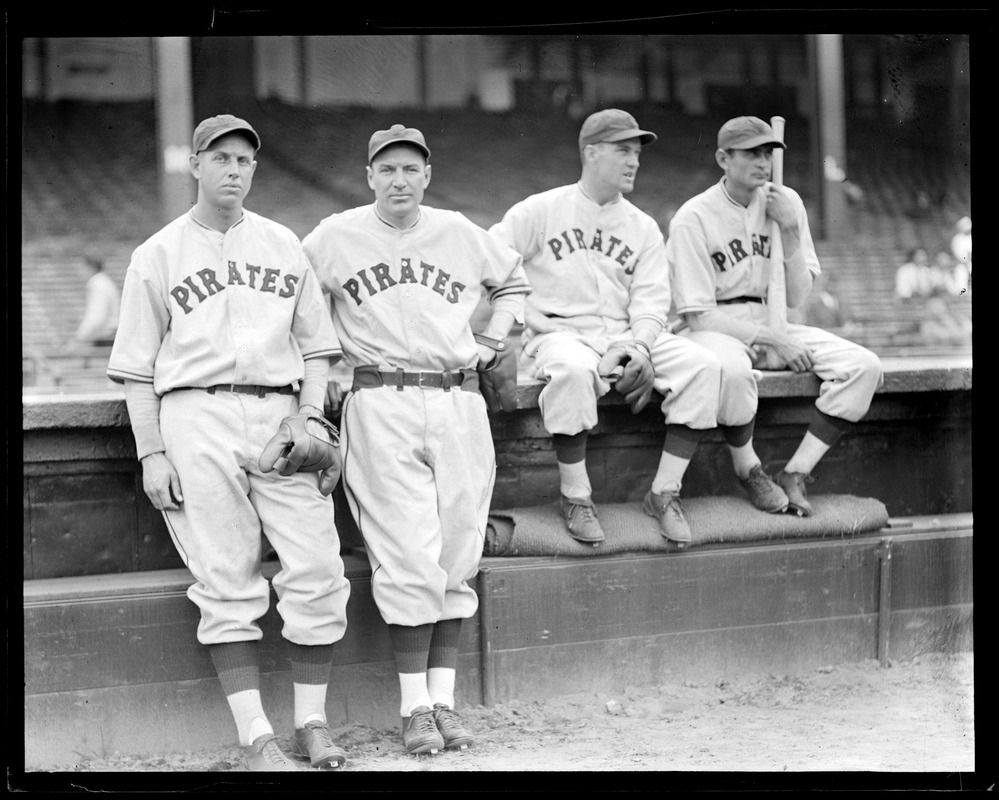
732 200
419 216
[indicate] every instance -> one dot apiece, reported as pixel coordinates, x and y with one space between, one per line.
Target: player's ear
371 177
426 176
194 164
721 156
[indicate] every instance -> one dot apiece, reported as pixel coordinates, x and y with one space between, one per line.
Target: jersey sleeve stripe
120 376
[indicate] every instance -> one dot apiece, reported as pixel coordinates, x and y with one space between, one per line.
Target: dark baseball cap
745 133
612 125
397 134
212 128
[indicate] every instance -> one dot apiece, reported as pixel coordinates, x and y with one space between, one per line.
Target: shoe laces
272 753
758 479
321 732
670 503
586 513
447 716
423 722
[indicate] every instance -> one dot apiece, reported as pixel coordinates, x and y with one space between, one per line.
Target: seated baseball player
597 314
718 250
404 280
224 347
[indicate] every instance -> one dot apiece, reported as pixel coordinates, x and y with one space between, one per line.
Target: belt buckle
446 381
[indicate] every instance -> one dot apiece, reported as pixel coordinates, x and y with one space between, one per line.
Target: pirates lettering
194 289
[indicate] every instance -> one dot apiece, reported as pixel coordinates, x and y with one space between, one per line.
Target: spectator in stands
943 326
942 272
823 308
960 249
100 314
914 279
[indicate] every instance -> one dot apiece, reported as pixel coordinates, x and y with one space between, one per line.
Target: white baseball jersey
403 298
584 259
719 249
201 307
597 271
419 464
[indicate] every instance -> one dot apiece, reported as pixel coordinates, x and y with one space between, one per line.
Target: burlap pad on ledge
540 530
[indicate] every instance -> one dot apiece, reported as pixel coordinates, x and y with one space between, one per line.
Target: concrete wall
85 512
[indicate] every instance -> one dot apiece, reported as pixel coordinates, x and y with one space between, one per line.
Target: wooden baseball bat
776 288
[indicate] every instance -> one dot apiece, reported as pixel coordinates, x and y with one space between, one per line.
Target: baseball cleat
315 742
265 755
456 735
763 492
794 484
580 517
420 734
668 510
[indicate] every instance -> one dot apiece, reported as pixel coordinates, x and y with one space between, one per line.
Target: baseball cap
745 133
212 128
395 135
612 125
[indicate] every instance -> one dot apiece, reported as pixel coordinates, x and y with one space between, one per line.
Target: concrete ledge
902 375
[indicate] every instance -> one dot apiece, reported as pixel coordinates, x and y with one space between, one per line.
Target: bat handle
777 176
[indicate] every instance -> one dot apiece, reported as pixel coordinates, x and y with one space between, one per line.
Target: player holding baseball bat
728 249
777 287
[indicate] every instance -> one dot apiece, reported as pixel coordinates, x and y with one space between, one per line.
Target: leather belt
743 299
370 377
259 391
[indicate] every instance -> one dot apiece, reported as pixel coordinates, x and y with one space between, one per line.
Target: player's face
225 170
615 164
399 176
748 169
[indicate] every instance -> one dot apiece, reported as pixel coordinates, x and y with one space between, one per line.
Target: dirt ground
911 717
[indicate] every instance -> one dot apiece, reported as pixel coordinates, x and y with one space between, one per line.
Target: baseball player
718 251
404 280
224 333
600 296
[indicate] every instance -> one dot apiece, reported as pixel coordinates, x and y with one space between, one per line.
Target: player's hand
796 356
486 355
780 209
161 482
334 398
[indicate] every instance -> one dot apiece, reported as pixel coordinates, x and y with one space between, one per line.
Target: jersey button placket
239 326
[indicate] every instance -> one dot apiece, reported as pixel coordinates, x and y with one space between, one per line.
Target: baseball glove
635 372
498 378
305 443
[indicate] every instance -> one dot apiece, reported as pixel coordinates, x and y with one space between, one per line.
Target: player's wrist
492 343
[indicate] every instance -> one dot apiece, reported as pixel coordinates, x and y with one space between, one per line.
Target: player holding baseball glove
596 319
405 280
718 250
224 348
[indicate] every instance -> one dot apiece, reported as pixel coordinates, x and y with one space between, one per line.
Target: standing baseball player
224 345
600 296
404 280
718 251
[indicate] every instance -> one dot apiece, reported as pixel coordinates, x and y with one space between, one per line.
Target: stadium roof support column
830 127
174 124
